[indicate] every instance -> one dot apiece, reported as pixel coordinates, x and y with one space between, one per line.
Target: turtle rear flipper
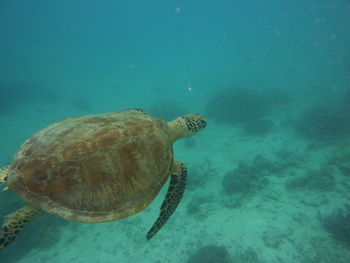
172 198
14 223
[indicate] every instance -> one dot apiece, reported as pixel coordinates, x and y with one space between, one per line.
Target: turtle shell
94 168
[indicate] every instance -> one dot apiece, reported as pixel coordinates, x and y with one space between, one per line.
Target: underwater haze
268 178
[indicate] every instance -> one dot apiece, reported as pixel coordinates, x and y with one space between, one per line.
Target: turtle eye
202 124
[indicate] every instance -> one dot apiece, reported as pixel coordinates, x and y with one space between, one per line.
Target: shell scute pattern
94 168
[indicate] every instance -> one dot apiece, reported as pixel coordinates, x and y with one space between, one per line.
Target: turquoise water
268 178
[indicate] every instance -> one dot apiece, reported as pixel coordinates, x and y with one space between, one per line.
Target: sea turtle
98 168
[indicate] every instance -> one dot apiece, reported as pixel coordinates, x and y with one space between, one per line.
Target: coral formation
246 177
242 181
338 224
200 174
219 254
232 106
210 254
243 103
235 182
327 121
321 179
340 157
318 251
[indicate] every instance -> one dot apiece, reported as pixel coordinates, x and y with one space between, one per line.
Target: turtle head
186 126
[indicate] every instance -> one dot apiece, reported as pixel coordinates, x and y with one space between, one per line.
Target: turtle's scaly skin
172 199
14 223
94 168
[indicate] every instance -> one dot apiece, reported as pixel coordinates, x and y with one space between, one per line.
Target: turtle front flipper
14 223
3 174
172 198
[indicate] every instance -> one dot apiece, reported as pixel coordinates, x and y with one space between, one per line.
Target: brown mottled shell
94 168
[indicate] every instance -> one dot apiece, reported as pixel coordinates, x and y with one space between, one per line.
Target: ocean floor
270 213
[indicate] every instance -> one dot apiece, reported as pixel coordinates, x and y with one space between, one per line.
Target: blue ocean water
268 177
